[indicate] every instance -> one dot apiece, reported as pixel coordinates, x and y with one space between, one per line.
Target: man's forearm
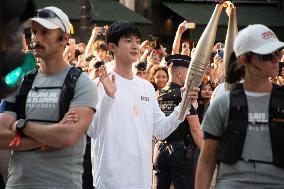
204 174
101 116
25 143
61 135
55 135
197 139
164 126
6 134
197 135
206 164
5 137
195 129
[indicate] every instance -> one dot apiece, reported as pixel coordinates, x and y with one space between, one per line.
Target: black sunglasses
269 57
46 13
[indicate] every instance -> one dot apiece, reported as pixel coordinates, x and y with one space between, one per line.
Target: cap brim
269 47
45 23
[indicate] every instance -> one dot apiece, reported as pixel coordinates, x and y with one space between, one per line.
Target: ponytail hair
236 71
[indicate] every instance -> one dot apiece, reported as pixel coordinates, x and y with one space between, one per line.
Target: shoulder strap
278 90
67 92
237 102
23 93
234 135
276 103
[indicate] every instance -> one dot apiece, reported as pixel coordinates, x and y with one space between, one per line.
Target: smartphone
71 41
190 25
220 53
281 65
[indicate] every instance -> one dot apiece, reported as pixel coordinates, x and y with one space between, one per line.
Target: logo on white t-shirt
145 98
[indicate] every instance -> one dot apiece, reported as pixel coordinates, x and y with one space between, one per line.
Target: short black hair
98 64
121 29
142 65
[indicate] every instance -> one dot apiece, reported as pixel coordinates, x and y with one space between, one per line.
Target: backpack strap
23 93
276 123
67 92
234 135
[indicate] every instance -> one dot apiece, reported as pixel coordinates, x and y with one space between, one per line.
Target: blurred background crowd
151 65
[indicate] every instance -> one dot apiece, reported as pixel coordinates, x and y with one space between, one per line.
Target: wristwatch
20 125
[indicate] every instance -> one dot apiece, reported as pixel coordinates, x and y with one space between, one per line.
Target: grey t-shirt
257 145
54 168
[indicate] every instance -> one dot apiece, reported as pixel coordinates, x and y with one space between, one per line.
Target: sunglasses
46 13
271 56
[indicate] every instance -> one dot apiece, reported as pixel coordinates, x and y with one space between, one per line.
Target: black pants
87 165
171 166
2 184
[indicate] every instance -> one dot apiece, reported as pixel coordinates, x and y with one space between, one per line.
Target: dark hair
209 83
98 64
71 61
77 53
99 44
142 65
121 29
89 58
155 69
236 71
204 84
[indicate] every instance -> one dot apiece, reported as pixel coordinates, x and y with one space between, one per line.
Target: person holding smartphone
176 44
185 48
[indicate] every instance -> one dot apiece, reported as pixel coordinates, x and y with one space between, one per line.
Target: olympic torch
199 61
232 31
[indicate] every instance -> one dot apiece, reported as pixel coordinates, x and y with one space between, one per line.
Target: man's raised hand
108 83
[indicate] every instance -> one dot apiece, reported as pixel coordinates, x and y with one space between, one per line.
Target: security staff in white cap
245 125
173 156
48 148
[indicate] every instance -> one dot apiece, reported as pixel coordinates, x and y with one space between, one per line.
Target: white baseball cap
258 39
53 18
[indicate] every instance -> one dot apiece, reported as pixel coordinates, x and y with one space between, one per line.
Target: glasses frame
267 57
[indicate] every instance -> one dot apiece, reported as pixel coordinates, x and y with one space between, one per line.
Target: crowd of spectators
151 65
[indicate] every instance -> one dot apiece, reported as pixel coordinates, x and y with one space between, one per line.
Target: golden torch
232 31
200 59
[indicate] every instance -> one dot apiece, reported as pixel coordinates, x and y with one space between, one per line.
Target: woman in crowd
159 76
204 97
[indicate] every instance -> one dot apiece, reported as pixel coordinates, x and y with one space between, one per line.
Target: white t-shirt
122 132
218 91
